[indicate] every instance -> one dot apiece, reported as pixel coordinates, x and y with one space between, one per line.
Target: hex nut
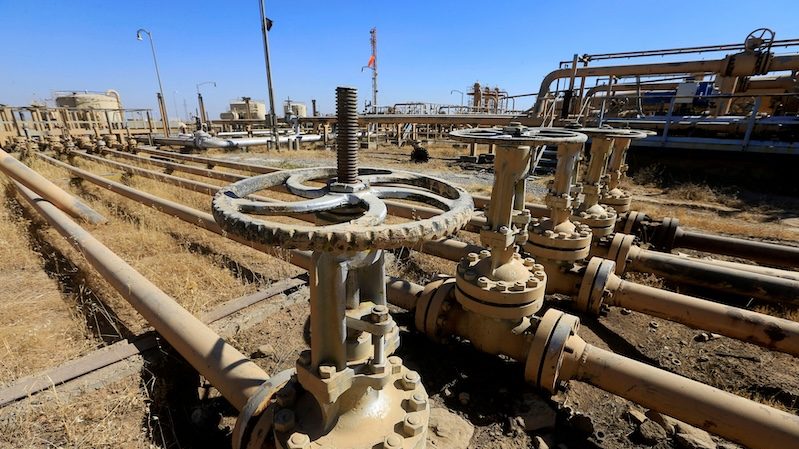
482 282
412 425
298 441
485 253
417 402
396 364
410 380
393 441
472 257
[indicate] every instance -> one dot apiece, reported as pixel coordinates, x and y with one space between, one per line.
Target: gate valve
349 391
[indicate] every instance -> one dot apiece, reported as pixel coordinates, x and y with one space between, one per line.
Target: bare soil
56 308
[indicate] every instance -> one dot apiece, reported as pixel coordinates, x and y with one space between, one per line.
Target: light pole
203 115
458 91
266 25
158 76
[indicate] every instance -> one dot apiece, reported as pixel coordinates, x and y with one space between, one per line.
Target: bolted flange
563 246
513 291
545 357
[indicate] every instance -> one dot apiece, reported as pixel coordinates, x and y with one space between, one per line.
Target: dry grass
39 325
110 417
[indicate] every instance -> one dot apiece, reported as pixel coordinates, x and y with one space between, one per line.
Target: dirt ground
56 308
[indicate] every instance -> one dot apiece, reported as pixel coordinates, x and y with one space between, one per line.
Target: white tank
90 101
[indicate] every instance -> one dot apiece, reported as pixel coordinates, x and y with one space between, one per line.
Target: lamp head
139 32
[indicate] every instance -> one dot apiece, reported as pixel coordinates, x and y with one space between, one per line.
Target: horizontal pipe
233 374
222 176
43 187
260 169
767 253
754 425
752 327
715 277
767 271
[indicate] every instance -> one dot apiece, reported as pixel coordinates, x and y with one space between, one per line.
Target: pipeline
604 370
760 329
738 280
719 278
203 140
233 374
737 419
767 253
759 326
778 63
43 187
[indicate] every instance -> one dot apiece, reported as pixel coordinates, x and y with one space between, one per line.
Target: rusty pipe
236 377
715 277
754 425
767 253
752 327
43 187
211 162
778 63
767 271
222 176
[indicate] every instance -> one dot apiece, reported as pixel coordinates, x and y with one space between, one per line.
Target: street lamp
458 91
203 115
158 76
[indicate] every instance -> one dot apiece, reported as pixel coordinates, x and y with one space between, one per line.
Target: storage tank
85 100
257 109
294 109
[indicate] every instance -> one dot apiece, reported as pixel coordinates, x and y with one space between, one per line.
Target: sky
425 48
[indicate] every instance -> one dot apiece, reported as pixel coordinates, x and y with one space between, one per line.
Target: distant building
295 109
239 110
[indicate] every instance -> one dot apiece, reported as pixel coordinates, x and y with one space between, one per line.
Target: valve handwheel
232 210
519 135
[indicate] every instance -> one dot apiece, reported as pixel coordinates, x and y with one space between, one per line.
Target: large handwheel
519 135
234 212
760 39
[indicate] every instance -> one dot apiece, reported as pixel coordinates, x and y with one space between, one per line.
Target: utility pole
266 25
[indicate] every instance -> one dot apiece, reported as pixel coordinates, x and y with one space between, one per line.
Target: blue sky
425 48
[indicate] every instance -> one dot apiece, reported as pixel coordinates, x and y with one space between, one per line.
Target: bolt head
529 262
472 257
298 441
482 282
410 380
485 253
518 287
412 425
532 283
379 314
395 364
417 402
393 441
